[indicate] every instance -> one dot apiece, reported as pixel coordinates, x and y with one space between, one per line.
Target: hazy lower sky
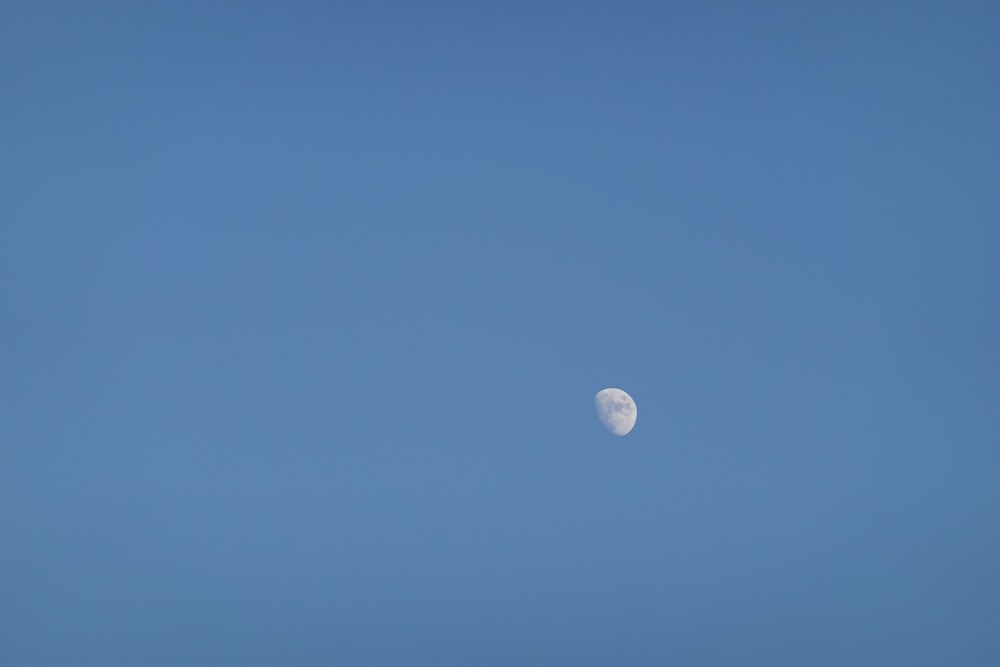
304 306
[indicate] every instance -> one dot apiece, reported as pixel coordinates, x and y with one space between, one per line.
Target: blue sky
304 306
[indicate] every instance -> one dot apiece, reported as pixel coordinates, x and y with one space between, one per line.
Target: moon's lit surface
616 410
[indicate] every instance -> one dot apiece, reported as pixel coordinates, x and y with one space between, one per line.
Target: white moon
616 410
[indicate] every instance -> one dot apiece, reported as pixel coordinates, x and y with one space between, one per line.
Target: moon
616 410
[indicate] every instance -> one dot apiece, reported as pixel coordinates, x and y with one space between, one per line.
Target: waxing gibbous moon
616 410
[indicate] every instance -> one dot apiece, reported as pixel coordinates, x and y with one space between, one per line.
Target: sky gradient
304 307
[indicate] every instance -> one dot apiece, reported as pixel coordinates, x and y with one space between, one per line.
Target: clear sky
304 305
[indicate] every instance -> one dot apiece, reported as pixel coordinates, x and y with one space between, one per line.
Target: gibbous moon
616 410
